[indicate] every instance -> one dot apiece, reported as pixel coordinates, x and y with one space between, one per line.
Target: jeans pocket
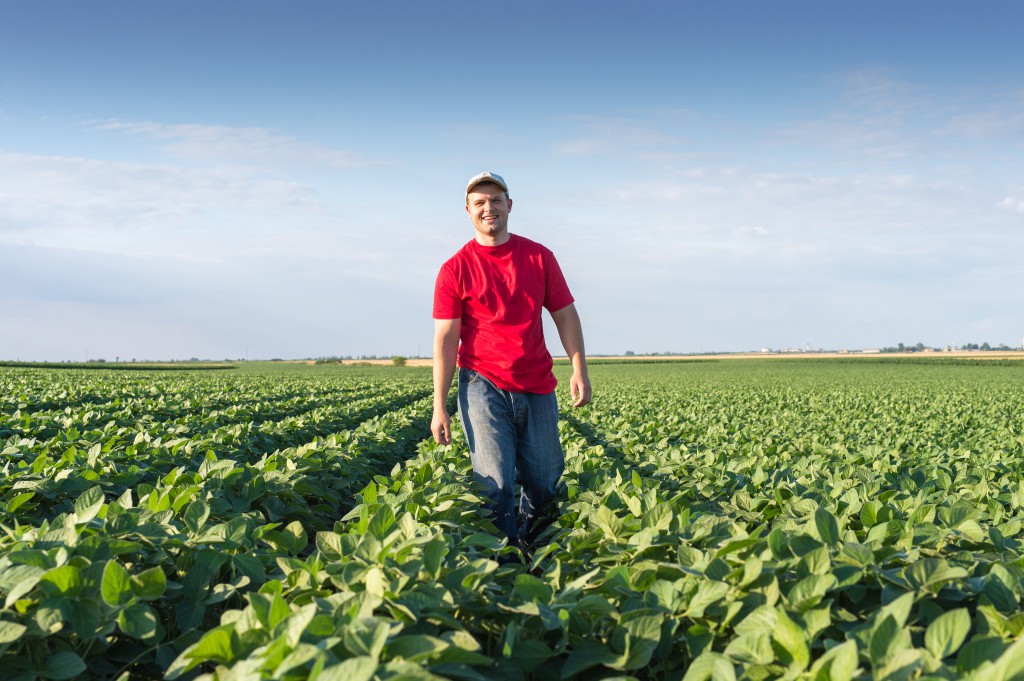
468 376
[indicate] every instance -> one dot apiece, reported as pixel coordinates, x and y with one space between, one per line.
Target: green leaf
957 514
808 592
65 580
606 521
20 580
816 562
837 664
884 641
828 528
353 669
531 588
297 540
18 500
791 643
196 516
217 645
383 518
947 633
761 620
977 651
10 631
89 504
752 648
929 573
116 586
462 649
585 655
433 555
237 533
150 584
251 566
999 588
415 648
709 592
297 623
138 621
1010 665
278 611
644 634
903 665
329 545
65 665
710 666
658 517
530 654
365 636
856 554
898 609
778 543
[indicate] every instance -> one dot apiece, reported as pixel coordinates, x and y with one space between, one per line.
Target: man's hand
579 388
441 427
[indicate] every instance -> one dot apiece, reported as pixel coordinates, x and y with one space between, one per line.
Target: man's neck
492 241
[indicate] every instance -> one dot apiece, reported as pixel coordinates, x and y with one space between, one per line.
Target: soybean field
739 519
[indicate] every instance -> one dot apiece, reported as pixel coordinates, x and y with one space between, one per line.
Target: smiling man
488 301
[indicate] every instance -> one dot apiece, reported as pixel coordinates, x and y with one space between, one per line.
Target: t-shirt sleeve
556 292
447 301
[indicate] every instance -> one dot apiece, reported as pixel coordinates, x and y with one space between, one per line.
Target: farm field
749 519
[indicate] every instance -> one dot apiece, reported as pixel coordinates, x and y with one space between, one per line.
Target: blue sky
263 179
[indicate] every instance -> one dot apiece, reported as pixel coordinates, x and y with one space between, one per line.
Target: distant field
747 519
964 354
122 366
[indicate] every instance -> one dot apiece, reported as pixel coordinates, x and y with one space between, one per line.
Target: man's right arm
446 347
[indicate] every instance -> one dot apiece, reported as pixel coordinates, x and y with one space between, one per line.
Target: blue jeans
513 437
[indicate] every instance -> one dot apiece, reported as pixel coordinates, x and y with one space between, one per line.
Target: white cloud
613 136
43 198
1013 204
225 144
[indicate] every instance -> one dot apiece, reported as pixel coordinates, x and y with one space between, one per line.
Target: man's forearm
446 347
570 332
444 371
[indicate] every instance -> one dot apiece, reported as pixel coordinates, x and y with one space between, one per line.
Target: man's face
488 207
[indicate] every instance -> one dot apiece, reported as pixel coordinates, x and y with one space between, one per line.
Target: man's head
486 178
488 205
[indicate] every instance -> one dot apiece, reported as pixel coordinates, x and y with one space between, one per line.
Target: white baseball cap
486 177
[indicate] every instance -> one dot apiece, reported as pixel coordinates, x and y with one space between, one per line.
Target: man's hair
486 182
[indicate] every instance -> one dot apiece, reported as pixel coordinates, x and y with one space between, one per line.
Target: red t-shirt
498 292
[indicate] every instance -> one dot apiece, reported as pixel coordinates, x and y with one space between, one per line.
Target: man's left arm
570 331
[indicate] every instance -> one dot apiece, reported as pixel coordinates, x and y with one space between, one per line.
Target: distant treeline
925 361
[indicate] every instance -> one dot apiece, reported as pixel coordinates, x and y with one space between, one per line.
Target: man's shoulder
459 255
531 246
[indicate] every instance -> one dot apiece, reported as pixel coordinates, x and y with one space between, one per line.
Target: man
489 296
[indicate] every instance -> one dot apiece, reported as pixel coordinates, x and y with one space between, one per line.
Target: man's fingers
581 393
441 429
